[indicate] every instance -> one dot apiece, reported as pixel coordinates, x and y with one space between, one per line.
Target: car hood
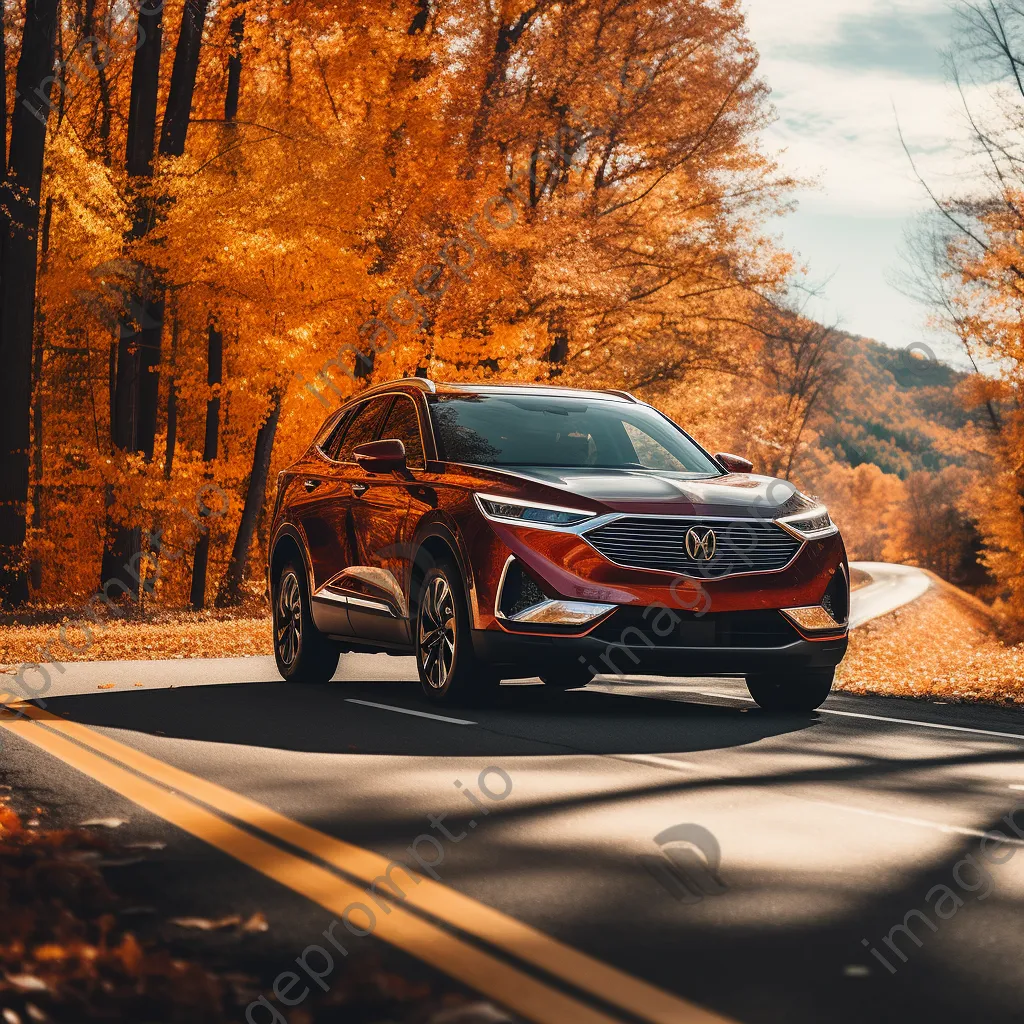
647 492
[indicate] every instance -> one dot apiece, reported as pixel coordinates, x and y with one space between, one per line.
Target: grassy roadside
185 635
945 645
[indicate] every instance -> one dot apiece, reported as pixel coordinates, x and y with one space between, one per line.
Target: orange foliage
458 187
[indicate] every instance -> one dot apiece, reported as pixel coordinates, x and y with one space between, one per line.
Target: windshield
527 430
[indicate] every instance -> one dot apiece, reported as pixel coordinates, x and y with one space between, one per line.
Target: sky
844 75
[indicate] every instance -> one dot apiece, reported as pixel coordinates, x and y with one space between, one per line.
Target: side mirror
732 463
380 456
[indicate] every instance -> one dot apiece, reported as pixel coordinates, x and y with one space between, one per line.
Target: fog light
562 613
812 618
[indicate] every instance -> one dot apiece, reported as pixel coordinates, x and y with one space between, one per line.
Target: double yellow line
568 988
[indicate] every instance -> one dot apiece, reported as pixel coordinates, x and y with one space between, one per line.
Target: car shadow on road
522 721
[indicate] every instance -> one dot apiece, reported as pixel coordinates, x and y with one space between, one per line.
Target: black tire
568 677
303 653
792 691
449 670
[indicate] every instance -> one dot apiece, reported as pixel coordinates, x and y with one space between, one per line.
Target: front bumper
517 656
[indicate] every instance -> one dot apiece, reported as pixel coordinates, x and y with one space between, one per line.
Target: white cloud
841 73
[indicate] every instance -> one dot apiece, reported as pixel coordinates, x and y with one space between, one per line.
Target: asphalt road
891 587
790 839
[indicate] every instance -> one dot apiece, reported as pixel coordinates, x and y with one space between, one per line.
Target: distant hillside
892 408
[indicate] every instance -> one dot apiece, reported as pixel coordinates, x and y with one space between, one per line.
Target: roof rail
421 382
621 394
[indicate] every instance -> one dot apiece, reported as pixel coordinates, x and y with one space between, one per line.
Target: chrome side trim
355 602
498 613
376 577
377 606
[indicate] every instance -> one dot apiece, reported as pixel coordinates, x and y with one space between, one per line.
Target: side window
403 423
328 444
361 428
327 428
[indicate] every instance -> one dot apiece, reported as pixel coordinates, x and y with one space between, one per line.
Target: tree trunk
138 348
172 399
18 288
183 79
100 61
234 67
138 383
214 369
36 567
144 90
230 592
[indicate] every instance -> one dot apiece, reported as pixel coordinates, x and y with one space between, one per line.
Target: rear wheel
303 653
569 677
791 691
449 669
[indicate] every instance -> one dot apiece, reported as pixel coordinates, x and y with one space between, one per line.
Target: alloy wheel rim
437 633
289 619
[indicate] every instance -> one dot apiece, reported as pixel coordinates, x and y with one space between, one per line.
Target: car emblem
701 543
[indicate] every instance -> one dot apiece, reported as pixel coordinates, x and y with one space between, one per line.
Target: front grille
740 545
632 626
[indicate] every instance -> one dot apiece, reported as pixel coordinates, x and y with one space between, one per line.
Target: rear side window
403 423
331 437
361 428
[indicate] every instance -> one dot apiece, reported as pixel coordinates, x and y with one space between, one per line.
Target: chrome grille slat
743 545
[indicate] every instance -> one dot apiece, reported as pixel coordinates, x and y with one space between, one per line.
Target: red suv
505 531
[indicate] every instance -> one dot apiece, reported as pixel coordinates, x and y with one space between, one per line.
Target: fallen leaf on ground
941 646
105 686
204 924
473 1013
26 982
257 923
103 823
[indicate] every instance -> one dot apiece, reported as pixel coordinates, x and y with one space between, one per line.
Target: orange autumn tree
457 187
970 267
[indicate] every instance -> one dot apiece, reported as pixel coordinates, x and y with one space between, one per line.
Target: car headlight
810 525
511 510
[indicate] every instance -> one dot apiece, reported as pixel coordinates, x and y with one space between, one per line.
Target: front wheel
802 690
448 667
303 653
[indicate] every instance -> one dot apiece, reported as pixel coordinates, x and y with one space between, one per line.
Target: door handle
311 485
360 489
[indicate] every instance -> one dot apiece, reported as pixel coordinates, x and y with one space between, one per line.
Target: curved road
891 587
658 850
